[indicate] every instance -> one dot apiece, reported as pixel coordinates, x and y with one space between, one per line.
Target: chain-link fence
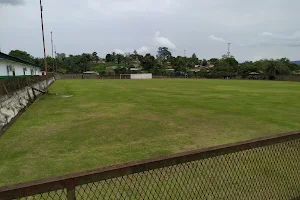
13 84
263 168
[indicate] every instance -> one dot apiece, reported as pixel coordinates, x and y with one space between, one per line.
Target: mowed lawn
107 122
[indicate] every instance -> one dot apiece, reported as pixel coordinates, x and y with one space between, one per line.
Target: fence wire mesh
270 172
12 84
54 195
267 172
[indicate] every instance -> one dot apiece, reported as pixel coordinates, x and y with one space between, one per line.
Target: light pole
52 52
185 64
228 53
45 61
55 54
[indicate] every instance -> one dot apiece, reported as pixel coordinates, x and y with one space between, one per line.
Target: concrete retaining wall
12 104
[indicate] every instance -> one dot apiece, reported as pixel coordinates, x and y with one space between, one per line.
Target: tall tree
213 61
120 58
23 55
204 62
108 58
273 68
148 62
113 56
95 56
164 53
60 55
194 59
179 64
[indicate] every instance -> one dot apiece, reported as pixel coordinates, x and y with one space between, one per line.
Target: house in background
91 72
11 66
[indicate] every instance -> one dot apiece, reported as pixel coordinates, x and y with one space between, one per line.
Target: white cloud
212 37
266 34
273 39
163 41
295 36
118 51
142 50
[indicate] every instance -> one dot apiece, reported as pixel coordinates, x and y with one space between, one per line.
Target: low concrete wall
141 76
11 104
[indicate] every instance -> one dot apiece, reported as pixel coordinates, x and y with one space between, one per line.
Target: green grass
113 121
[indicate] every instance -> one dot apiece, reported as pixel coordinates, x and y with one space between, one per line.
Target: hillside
296 62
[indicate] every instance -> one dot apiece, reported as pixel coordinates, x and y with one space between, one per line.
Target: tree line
163 63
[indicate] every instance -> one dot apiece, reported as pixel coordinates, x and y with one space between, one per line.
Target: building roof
91 72
135 69
11 58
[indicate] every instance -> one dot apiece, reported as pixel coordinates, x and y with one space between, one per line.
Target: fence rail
262 168
291 77
12 84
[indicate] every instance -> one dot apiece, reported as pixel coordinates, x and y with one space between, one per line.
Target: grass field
113 121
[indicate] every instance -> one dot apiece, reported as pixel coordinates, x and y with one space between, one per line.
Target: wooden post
71 193
70 185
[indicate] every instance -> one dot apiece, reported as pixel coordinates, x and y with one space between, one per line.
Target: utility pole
45 61
185 64
52 52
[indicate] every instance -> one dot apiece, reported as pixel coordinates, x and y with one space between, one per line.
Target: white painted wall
141 76
18 68
3 69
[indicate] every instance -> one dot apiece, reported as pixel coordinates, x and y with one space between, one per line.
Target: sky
256 29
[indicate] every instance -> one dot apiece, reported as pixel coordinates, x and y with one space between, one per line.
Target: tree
23 55
60 55
194 58
128 60
223 69
148 62
164 53
246 68
113 57
232 62
135 52
179 64
204 62
108 58
120 58
202 72
274 68
213 61
95 56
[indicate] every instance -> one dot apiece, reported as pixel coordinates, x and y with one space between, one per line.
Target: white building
12 66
